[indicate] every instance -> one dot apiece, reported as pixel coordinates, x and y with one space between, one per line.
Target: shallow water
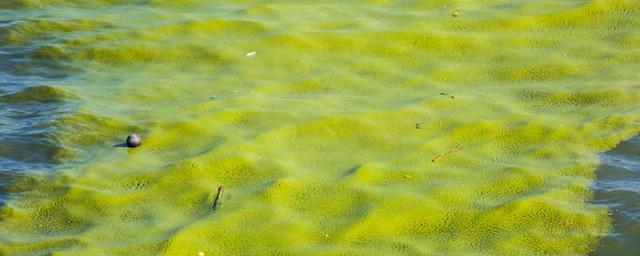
321 119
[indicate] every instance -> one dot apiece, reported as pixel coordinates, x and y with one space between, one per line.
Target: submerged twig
451 150
215 201
448 95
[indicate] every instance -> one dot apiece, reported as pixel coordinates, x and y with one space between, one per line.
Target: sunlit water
336 128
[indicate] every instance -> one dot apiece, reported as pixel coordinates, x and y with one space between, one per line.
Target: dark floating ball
133 140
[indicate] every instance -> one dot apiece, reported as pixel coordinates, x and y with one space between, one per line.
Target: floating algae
313 138
40 94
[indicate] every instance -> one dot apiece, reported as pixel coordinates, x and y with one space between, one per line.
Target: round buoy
133 140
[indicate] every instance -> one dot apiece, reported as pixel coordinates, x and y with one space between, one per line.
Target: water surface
383 127
618 187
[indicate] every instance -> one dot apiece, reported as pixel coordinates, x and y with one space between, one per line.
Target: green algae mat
336 128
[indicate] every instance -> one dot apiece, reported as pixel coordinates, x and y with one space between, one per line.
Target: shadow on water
618 187
121 145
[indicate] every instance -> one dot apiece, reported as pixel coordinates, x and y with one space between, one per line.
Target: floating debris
133 140
439 157
215 201
448 95
250 54
419 126
455 13
201 254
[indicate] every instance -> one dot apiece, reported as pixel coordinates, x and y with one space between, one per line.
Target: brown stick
215 201
438 157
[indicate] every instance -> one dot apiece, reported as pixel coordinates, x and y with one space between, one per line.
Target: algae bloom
336 128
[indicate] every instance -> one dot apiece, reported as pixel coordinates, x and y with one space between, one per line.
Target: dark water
28 113
28 116
618 187
26 142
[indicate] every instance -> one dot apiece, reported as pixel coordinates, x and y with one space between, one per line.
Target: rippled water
618 187
383 127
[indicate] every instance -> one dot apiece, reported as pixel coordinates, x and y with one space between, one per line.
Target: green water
321 119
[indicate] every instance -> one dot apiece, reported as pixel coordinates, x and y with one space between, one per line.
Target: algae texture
324 137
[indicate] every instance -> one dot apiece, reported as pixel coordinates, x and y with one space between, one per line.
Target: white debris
250 54
201 254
